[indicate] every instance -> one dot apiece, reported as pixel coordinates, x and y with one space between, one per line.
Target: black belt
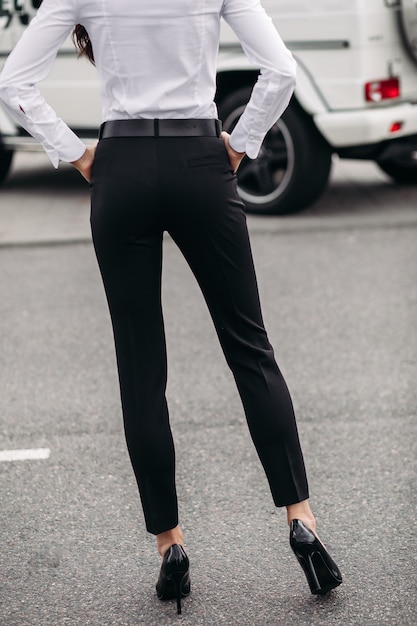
161 128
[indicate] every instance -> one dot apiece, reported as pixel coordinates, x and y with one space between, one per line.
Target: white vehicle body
356 94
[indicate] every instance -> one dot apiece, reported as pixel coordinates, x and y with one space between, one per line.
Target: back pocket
205 160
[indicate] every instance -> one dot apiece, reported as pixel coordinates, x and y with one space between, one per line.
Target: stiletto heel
320 569
174 576
179 580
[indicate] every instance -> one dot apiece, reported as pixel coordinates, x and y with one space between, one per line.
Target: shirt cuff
250 143
70 148
71 153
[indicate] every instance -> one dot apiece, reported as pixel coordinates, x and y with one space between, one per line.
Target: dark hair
82 41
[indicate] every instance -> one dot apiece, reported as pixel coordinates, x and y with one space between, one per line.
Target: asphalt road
339 291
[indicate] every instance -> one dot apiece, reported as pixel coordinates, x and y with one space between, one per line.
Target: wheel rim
265 179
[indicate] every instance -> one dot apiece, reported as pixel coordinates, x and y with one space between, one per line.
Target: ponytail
82 41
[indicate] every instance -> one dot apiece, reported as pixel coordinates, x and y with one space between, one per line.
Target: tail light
386 89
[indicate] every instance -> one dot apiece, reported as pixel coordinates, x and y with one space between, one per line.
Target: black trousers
141 187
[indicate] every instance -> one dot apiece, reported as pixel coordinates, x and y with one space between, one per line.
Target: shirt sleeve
272 92
29 63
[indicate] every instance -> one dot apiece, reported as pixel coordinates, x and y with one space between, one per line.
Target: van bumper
344 129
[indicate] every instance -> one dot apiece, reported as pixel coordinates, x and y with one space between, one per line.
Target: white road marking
24 455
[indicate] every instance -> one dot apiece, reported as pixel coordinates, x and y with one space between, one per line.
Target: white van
356 95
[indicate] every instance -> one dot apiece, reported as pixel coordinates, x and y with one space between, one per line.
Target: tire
408 26
402 170
6 157
293 166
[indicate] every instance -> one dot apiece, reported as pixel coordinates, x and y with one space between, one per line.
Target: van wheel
6 157
403 171
293 165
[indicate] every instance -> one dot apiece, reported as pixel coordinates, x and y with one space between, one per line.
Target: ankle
303 512
168 538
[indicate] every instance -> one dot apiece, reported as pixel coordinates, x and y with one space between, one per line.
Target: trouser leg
210 229
127 237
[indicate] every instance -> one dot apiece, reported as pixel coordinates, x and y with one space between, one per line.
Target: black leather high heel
174 576
321 571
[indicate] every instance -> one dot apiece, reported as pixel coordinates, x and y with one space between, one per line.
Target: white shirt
155 59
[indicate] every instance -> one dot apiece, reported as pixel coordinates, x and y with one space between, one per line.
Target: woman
162 163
